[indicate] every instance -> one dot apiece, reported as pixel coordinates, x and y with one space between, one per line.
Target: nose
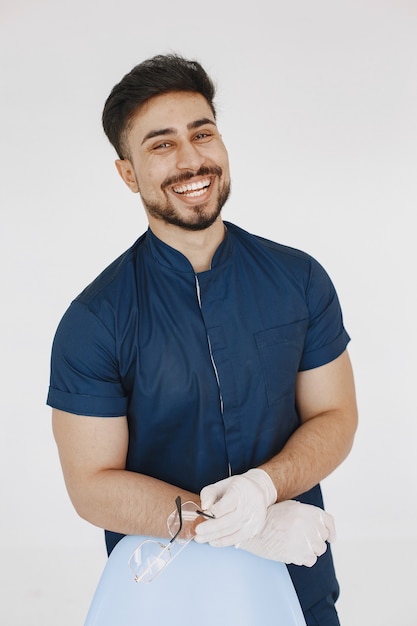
189 157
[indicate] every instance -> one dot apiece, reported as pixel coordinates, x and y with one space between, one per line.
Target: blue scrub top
204 366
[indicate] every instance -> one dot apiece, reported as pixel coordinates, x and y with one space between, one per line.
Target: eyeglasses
151 557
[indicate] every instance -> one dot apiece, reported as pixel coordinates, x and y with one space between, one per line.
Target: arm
93 452
326 404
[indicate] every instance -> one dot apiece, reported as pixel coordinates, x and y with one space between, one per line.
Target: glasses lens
189 516
148 560
151 557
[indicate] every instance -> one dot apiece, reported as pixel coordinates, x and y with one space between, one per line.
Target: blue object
203 586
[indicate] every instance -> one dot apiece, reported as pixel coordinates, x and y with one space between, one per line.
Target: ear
127 172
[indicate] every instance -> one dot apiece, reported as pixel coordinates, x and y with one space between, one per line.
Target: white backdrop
317 104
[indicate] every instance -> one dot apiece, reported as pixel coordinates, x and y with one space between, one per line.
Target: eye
203 136
162 146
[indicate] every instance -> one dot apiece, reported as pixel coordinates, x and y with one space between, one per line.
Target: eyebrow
172 131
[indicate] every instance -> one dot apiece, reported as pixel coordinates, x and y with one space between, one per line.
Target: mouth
194 189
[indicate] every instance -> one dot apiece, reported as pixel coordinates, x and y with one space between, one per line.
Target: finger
314 544
216 529
222 542
316 539
328 521
309 560
319 547
205 532
212 493
232 539
208 497
200 538
227 504
225 507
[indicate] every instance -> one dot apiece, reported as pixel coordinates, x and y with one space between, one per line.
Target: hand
293 533
239 504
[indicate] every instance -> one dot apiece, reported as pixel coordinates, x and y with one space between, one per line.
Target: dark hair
155 76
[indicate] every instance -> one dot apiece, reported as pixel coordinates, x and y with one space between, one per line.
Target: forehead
174 110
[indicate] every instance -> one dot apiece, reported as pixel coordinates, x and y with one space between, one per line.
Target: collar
173 259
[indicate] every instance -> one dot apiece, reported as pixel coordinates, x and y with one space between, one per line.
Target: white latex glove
293 533
239 504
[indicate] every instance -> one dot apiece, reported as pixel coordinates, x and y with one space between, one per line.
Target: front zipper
197 284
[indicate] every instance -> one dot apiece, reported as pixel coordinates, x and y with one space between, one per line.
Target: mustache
186 176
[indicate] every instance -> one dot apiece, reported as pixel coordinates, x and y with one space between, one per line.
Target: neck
197 246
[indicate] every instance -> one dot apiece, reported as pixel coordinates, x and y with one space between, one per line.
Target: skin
170 139
172 136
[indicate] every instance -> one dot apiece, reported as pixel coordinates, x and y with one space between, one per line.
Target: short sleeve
84 369
326 337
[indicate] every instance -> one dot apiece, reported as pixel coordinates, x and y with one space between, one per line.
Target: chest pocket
280 351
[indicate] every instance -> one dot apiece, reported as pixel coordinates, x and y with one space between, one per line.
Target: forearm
93 457
128 503
241 503
311 454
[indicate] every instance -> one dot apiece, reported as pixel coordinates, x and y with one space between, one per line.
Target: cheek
223 159
149 181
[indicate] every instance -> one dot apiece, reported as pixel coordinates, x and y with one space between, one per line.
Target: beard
199 216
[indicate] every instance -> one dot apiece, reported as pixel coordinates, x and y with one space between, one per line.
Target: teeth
193 187
194 194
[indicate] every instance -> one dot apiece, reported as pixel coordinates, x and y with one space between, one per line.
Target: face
177 161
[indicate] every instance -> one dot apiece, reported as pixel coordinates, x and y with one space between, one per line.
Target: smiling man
205 362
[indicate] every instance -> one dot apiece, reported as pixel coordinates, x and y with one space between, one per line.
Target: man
204 360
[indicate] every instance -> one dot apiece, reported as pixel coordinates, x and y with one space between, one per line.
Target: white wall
317 103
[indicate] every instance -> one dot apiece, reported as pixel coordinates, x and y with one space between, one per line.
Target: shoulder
252 240
107 300
114 277
286 258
